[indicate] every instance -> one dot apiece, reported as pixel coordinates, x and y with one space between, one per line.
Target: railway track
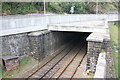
64 64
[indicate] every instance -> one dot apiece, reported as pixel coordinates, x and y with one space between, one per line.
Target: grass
0 73
24 63
6 54
114 40
114 33
102 50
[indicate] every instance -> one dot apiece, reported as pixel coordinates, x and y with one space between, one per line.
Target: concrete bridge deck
89 26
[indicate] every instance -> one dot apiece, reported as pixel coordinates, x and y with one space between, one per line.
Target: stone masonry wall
93 50
17 44
45 43
37 44
110 71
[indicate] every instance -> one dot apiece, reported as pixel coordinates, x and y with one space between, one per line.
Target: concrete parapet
96 37
101 66
33 22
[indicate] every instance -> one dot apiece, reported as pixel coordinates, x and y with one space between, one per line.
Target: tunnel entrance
75 36
45 43
67 58
38 44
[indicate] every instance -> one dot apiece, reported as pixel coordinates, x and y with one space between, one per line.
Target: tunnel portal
70 53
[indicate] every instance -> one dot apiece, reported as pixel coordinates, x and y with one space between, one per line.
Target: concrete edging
101 66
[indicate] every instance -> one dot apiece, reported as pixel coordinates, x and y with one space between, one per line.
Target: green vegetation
114 40
24 63
102 50
114 33
20 8
9 8
6 54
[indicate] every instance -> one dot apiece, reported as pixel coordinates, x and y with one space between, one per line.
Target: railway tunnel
47 42
70 48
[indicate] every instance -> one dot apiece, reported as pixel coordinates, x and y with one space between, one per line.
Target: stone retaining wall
45 43
95 41
37 44
93 50
17 44
95 46
110 70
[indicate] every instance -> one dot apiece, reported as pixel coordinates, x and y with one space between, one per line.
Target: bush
55 7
